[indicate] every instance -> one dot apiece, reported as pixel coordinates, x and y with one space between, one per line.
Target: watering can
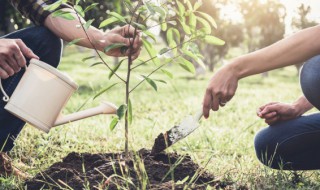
42 93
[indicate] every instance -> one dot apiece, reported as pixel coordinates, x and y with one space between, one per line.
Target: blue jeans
295 144
48 47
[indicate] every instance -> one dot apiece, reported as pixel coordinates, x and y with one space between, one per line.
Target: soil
114 171
161 143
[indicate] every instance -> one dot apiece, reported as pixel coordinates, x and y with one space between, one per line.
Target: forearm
69 30
294 49
302 105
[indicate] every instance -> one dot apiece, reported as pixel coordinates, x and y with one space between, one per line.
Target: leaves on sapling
206 28
214 40
121 111
113 123
114 46
150 35
79 10
74 41
151 82
104 90
181 9
208 18
118 16
193 21
53 6
88 24
169 74
115 68
63 14
97 63
151 51
108 21
87 58
197 5
93 5
187 65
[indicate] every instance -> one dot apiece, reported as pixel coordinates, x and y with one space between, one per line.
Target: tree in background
301 21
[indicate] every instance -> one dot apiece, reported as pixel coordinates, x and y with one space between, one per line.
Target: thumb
25 50
270 108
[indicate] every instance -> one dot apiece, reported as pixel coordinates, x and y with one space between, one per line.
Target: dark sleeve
35 10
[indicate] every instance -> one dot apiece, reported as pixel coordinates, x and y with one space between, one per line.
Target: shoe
7 169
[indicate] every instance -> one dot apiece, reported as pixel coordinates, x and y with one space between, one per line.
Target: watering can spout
103 108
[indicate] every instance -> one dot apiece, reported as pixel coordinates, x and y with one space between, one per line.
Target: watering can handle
6 98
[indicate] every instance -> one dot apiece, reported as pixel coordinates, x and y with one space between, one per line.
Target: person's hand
12 56
220 90
275 111
123 35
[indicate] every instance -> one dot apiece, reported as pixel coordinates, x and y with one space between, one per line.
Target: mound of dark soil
113 171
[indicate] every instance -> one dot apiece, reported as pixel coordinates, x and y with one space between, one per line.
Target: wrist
97 38
236 66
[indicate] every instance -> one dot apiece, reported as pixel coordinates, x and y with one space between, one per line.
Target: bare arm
275 111
69 30
297 48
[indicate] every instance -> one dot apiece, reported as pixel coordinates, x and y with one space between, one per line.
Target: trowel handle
198 115
5 95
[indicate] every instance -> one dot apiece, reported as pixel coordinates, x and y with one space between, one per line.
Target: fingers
273 120
25 51
207 103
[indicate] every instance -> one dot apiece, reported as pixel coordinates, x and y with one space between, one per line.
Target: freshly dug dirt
161 143
113 171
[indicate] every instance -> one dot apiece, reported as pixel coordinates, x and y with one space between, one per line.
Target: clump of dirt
113 171
161 143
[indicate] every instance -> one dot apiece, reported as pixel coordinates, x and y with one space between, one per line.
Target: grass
224 142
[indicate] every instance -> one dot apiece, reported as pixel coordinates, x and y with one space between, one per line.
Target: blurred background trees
245 25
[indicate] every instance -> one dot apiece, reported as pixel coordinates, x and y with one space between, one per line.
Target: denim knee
266 149
310 80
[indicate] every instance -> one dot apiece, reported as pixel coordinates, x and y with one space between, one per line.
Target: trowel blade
187 126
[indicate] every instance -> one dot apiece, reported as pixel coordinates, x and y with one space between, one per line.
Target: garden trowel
187 126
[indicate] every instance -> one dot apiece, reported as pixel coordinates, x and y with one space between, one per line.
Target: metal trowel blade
187 126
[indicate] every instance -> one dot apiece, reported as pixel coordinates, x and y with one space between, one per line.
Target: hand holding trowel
187 126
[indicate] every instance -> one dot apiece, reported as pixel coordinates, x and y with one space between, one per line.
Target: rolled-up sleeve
35 10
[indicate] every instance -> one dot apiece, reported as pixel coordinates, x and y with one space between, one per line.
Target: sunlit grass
227 136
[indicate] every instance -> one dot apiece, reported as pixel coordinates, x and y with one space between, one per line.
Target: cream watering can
42 93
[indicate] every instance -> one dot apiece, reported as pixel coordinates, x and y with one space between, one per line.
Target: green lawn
225 139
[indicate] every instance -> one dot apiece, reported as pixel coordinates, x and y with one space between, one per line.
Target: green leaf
151 51
121 111
163 51
138 25
97 63
87 58
160 11
206 26
208 18
104 90
181 8
116 67
170 75
173 34
189 5
63 14
88 24
185 27
129 111
74 41
193 21
214 40
113 123
149 34
93 5
118 16
53 6
197 5
159 80
164 26
187 65
114 46
108 21
79 10
151 82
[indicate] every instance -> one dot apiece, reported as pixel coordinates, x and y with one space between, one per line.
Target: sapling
183 25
